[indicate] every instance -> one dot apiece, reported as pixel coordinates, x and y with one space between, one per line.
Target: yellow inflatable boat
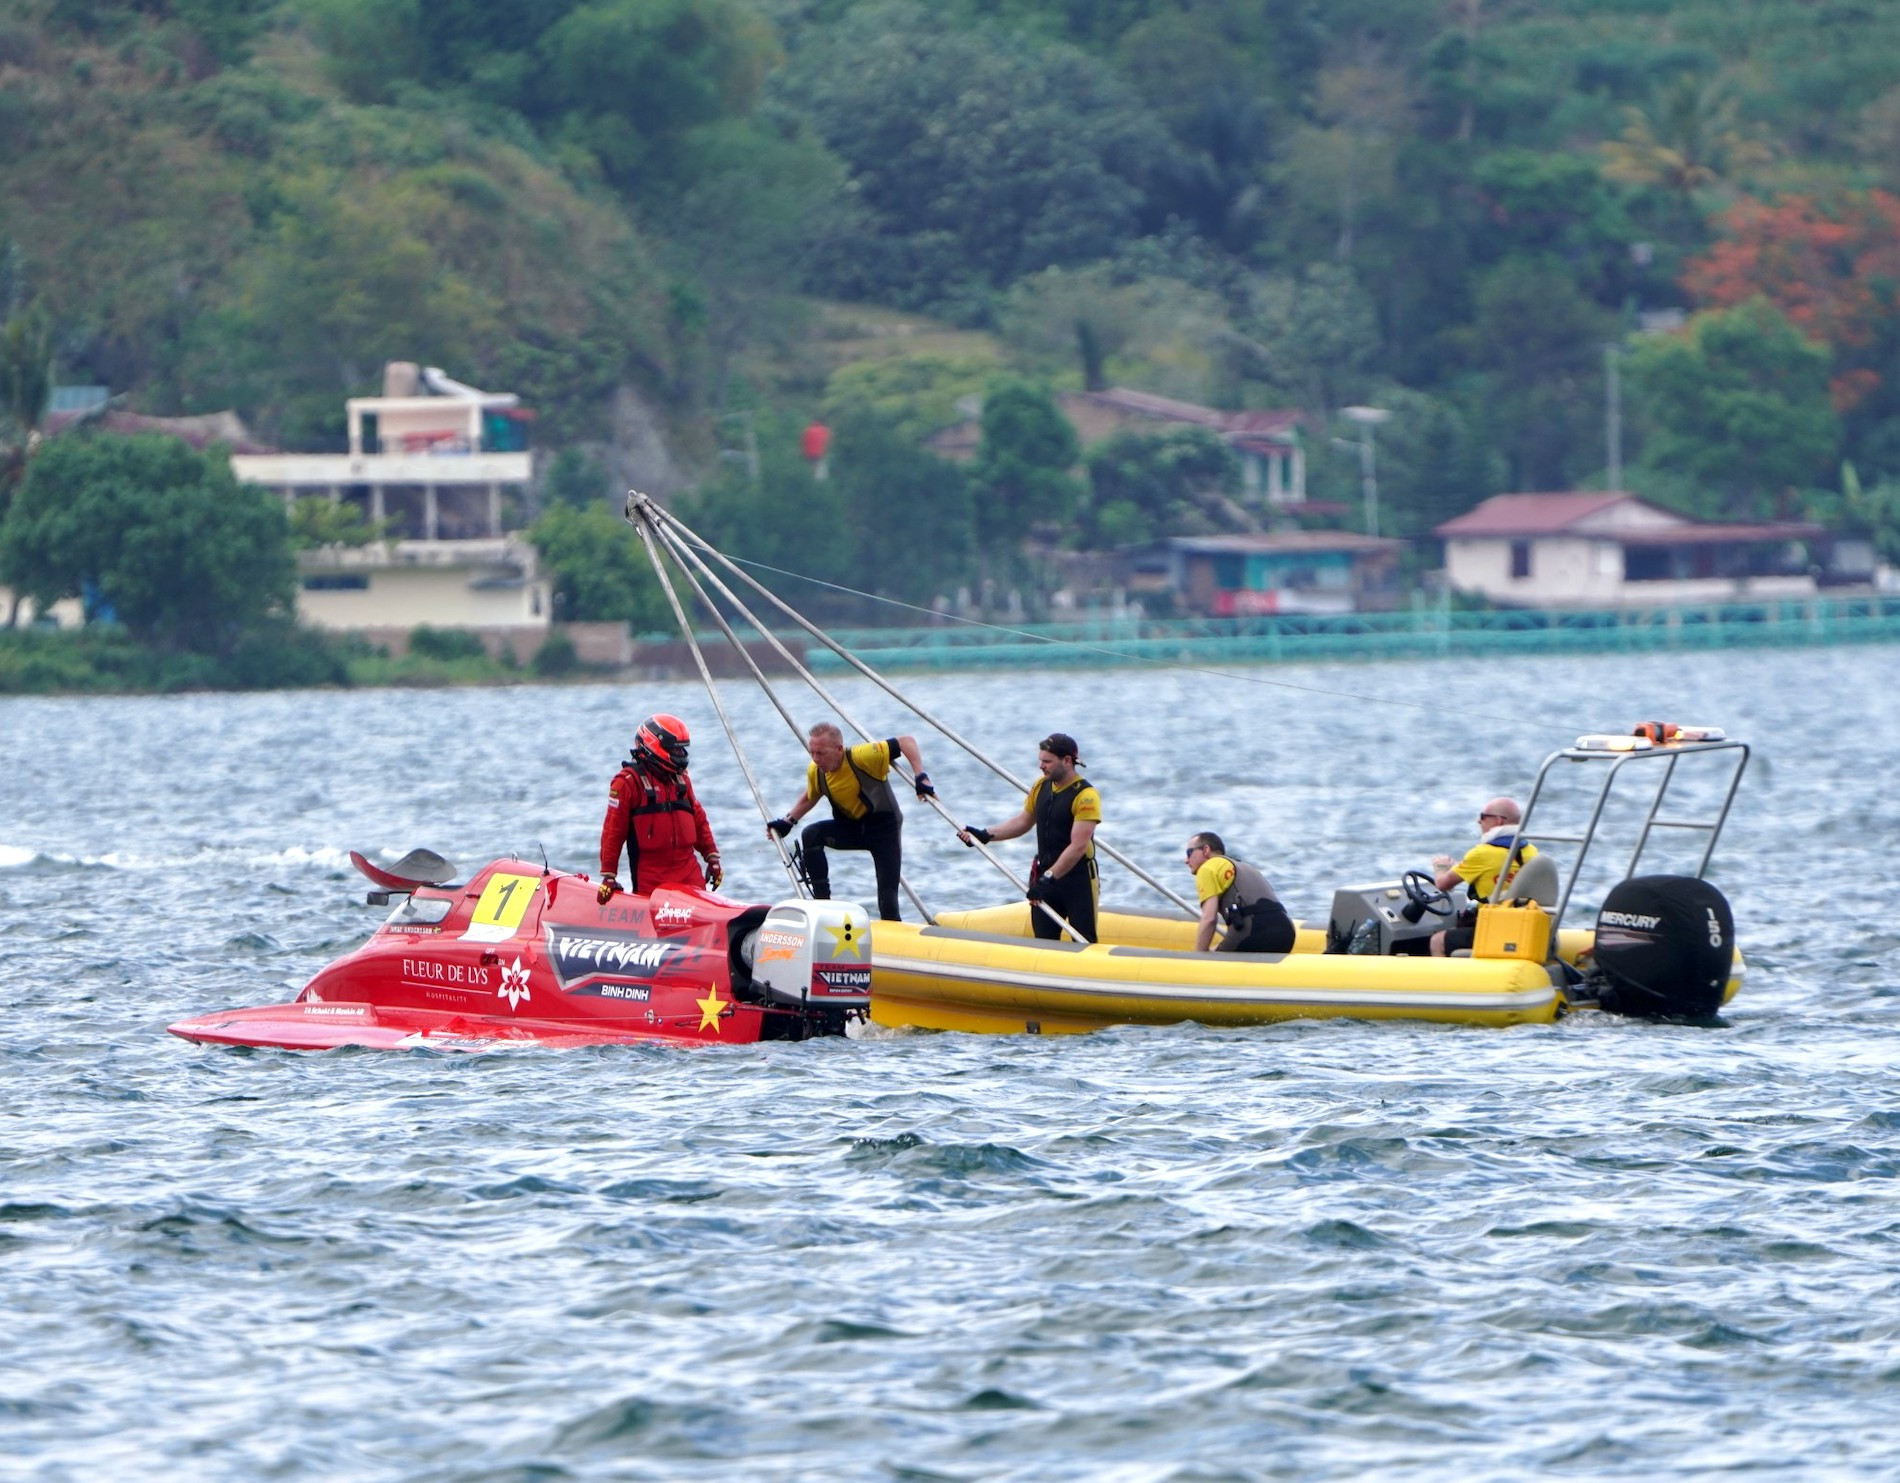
981 971
1671 938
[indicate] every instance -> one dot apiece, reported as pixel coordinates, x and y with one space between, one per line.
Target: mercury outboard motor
1664 948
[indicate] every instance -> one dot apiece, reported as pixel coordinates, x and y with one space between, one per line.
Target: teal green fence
1417 632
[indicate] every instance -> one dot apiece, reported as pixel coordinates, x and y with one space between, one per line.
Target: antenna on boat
671 524
545 872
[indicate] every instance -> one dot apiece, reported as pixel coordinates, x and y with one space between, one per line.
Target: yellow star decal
709 1009
847 941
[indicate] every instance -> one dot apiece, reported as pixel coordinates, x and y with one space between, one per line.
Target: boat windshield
419 911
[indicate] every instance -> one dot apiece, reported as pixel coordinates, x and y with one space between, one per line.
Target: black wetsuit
1074 895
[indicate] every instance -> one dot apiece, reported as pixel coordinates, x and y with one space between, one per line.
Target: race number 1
499 912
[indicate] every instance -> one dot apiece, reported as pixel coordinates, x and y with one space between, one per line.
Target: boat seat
1536 880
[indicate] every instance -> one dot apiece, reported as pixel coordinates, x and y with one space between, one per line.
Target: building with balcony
444 469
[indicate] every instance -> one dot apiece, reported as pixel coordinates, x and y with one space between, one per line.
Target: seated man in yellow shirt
1238 894
1478 870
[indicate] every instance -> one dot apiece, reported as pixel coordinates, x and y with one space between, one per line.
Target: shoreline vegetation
107 661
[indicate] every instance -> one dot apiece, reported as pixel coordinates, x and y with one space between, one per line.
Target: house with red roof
1612 549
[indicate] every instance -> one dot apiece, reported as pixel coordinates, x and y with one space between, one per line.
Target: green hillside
740 213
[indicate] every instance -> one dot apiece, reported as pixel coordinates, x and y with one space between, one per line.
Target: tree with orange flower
1833 267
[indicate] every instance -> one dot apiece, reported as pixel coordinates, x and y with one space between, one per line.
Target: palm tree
26 385
1690 137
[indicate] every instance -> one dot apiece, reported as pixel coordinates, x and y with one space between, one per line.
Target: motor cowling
814 954
1665 945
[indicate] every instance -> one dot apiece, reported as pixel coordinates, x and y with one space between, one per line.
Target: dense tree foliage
778 513
159 536
1740 405
1021 474
599 567
1143 485
974 160
911 513
1449 208
1833 267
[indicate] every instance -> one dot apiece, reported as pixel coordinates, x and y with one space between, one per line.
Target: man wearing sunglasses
1234 892
1063 808
1478 870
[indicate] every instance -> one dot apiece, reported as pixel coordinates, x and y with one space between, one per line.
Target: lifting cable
679 613
684 554
672 521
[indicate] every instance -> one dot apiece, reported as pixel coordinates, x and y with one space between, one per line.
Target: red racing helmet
662 743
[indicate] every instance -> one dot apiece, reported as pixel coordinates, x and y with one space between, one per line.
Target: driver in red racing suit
654 815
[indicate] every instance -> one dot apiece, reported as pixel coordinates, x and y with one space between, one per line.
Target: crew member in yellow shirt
1064 809
1234 892
1478 870
864 812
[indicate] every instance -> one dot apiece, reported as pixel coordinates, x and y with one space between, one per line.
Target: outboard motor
1664 947
815 956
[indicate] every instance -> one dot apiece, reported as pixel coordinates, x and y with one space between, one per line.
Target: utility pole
1613 412
1368 418
750 457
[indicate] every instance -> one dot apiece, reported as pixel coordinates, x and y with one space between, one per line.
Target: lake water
1321 1250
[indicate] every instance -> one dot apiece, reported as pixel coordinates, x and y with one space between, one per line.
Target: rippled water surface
1321 1250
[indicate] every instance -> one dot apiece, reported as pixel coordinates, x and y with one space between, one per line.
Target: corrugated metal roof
1531 514
1282 541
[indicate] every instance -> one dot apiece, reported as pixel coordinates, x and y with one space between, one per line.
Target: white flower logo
514 985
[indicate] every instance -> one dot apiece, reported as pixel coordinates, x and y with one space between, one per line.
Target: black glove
1036 889
715 874
978 835
924 790
779 828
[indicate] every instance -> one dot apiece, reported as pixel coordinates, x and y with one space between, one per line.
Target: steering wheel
1422 890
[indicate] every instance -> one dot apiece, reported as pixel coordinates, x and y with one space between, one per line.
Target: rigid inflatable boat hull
979 971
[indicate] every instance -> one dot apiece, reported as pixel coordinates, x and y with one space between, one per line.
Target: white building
445 466
1611 549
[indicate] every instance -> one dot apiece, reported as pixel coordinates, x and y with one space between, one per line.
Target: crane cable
642 508
679 613
877 679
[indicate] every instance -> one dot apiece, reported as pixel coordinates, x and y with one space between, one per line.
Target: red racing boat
523 953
